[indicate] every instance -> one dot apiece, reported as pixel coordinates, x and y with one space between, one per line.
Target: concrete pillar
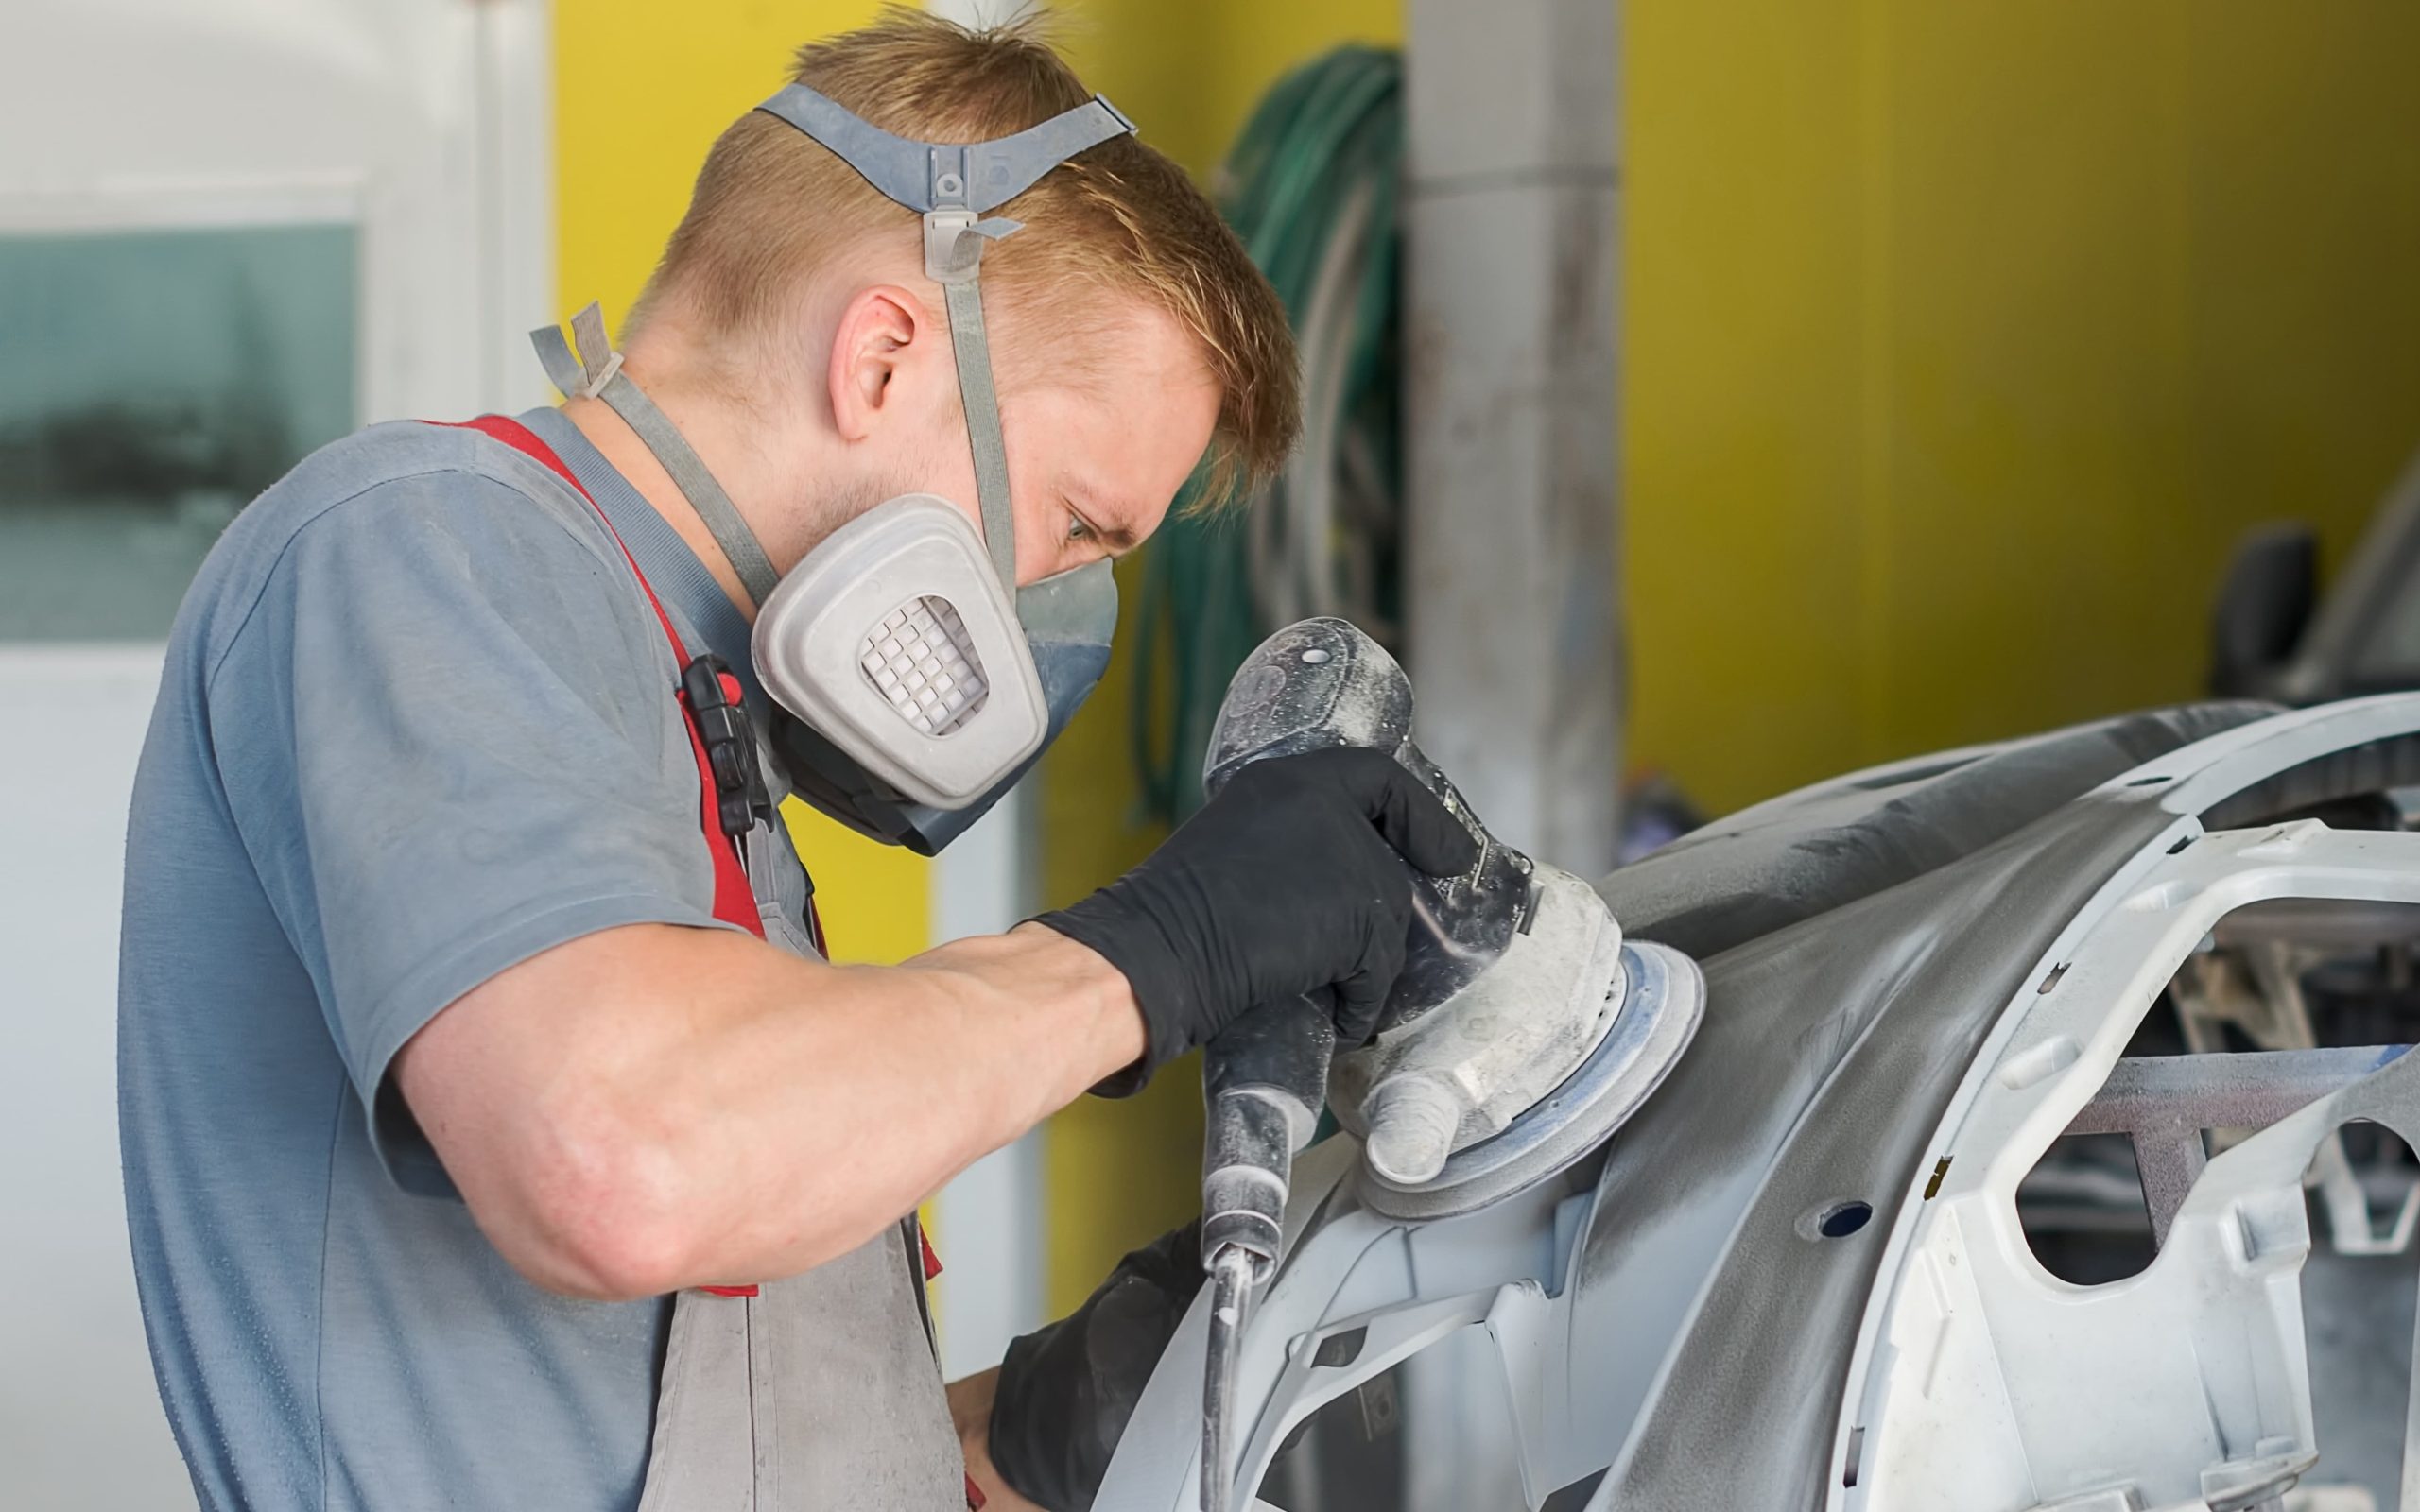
1511 387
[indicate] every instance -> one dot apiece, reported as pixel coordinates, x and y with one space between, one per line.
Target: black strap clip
713 694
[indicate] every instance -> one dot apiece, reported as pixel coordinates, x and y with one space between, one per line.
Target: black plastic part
1284 1047
1322 685
1468 921
741 799
2272 587
1263 1083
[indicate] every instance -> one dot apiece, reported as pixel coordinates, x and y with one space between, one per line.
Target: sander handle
1320 684
1264 1083
1314 685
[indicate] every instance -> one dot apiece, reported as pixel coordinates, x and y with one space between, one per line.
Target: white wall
79 1424
423 124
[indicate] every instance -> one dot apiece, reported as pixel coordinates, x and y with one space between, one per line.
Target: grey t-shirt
416 724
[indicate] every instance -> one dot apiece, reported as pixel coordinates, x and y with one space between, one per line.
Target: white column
514 49
989 1221
1511 398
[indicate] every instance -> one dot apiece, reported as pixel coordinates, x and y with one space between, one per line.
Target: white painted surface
989 1221
426 123
1980 1379
80 1424
989 1239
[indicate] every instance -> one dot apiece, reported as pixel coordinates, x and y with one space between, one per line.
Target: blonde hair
772 206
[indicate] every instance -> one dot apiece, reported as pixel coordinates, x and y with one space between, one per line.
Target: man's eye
1077 528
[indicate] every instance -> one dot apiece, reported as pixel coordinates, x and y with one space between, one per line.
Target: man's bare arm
655 1107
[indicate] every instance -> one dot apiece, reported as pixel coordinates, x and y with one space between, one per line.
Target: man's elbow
625 1266
600 1212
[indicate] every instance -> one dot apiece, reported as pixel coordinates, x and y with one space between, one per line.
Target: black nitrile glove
1066 1390
1291 882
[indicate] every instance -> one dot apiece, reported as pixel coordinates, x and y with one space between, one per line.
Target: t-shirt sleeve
448 732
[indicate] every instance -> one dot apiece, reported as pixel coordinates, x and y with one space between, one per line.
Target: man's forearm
655 1108
803 1124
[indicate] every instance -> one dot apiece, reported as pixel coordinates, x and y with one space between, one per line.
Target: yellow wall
1960 342
1121 1173
640 91
1962 339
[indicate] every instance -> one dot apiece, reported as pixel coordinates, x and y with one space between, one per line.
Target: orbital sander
1521 1033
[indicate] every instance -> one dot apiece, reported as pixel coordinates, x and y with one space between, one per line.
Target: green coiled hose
1312 187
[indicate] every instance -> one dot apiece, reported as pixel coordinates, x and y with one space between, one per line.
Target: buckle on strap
583 373
713 697
954 241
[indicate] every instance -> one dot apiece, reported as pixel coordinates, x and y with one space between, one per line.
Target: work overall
820 1392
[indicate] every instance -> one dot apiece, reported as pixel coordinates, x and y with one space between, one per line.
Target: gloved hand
1291 882
1065 1391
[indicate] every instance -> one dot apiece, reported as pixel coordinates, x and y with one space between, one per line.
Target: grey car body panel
1821 847
1862 941
1909 902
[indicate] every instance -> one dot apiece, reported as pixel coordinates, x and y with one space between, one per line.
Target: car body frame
1801 1276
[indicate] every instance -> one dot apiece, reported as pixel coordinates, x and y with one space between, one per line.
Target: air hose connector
1413 1119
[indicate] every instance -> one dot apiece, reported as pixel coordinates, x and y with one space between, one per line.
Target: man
478 1152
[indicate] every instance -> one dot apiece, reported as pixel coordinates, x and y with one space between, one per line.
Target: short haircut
771 206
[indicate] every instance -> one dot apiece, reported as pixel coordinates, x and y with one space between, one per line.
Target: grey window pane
150 384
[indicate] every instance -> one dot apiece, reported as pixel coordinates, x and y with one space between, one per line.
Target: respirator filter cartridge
923 662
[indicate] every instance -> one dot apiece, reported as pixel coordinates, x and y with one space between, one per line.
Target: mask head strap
594 371
952 186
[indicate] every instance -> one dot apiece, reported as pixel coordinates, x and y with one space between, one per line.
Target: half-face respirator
915 682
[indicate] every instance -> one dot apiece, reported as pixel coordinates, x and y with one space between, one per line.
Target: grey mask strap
928 176
951 186
597 373
972 349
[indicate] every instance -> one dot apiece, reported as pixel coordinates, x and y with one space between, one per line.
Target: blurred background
1706 398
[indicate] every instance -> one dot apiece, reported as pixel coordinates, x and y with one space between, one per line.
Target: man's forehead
1103 341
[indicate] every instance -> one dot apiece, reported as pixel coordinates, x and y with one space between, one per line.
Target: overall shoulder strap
734 902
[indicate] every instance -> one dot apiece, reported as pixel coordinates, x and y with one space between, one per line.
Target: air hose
1312 188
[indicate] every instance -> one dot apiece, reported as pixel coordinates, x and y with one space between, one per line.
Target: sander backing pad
1663 1000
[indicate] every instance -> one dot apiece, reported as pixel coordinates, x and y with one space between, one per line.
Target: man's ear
879 328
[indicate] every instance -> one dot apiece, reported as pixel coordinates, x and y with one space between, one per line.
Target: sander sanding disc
1665 1001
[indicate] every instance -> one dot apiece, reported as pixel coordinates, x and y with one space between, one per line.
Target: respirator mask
914 681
